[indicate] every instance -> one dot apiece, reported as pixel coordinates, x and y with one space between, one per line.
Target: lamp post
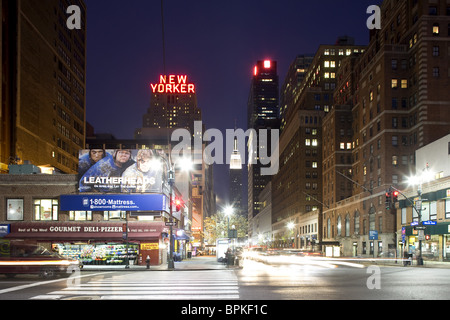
186 166
290 227
228 212
419 180
171 181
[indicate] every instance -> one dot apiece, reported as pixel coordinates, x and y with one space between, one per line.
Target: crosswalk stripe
172 297
150 290
143 292
156 288
48 297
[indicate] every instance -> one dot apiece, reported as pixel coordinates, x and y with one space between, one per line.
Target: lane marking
3 291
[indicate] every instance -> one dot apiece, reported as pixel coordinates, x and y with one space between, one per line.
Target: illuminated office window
404 84
436 29
394 83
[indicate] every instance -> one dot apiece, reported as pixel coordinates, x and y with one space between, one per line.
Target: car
308 253
34 259
303 253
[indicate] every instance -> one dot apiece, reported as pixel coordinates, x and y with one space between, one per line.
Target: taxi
34 259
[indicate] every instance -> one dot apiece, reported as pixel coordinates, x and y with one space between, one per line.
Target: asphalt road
255 281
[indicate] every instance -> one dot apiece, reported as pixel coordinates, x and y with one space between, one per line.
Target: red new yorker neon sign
173 84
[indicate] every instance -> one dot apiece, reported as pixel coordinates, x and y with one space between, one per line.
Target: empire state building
236 180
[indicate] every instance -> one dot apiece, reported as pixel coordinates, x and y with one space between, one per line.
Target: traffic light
395 196
388 199
178 204
171 177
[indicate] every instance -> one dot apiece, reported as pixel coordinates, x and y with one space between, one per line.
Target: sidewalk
195 263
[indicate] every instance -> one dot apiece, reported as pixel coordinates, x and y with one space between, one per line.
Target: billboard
114 202
122 171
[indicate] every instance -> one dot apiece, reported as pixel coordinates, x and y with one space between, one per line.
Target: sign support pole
171 181
126 244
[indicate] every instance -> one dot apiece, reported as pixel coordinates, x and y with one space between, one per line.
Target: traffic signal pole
171 180
419 227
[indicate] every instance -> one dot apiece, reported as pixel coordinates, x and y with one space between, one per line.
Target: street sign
232 233
373 235
418 204
429 223
421 235
173 223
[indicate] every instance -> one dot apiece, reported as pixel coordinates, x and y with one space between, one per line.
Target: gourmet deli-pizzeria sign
85 230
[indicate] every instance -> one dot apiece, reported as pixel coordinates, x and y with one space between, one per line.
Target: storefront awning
329 243
181 237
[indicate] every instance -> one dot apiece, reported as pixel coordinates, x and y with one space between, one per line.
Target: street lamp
228 212
418 180
290 225
185 165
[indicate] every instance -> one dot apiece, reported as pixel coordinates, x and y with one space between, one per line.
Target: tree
216 226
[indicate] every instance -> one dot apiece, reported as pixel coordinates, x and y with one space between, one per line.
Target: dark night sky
216 43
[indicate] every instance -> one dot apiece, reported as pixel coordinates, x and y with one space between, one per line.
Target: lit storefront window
46 209
111 215
80 215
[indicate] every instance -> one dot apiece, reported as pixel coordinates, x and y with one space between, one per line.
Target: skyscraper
289 90
263 113
43 68
397 95
263 101
173 104
236 180
297 188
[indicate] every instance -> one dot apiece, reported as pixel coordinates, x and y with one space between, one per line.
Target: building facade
236 176
173 104
30 212
425 204
289 90
297 188
43 95
195 186
398 105
263 113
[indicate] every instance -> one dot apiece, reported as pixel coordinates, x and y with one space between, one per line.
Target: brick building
297 187
43 94
30 211
398 93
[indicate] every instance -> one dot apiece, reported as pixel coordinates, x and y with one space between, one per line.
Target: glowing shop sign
173 84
